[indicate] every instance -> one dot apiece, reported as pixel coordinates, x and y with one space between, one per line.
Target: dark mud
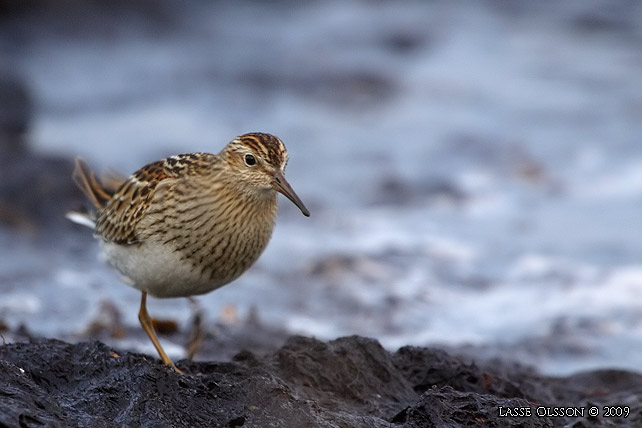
35 189
348 382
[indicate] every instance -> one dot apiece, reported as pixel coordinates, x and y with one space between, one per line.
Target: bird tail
96 192
83 219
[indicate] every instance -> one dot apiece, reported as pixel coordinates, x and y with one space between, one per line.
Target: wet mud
348 382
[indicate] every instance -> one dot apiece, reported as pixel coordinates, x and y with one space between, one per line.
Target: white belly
158 270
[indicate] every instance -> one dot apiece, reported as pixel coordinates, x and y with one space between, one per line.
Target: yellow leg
197 334
146 322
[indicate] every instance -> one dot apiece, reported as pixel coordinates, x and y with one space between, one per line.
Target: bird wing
119 219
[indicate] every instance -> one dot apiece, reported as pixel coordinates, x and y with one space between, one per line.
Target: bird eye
250 160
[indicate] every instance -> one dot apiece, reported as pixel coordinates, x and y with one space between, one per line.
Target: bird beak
282 186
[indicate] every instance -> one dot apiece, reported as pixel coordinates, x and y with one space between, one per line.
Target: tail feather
83 219
112 181
85 179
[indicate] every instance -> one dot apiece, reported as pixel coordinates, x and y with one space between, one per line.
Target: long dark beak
282 186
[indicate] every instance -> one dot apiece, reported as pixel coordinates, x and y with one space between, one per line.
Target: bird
190 223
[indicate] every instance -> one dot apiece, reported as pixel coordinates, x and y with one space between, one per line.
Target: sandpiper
190 223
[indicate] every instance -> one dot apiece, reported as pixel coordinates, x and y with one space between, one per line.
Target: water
473 169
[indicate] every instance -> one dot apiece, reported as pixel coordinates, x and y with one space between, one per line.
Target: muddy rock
36 189
348 382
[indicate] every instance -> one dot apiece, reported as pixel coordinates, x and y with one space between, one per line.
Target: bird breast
216 239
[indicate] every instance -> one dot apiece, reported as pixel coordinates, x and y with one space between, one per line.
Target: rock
348 382
395 191
16 111
35 190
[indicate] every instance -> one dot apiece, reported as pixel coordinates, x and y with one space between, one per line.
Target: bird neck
260 202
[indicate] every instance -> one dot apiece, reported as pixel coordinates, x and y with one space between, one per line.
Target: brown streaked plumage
190 223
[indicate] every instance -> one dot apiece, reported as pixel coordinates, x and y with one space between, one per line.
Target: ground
348 382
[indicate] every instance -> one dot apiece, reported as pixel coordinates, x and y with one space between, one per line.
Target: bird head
259 160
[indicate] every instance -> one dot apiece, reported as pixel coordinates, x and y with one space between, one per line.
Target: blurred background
473 169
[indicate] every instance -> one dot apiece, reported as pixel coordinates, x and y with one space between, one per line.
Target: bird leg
197 334
146 322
